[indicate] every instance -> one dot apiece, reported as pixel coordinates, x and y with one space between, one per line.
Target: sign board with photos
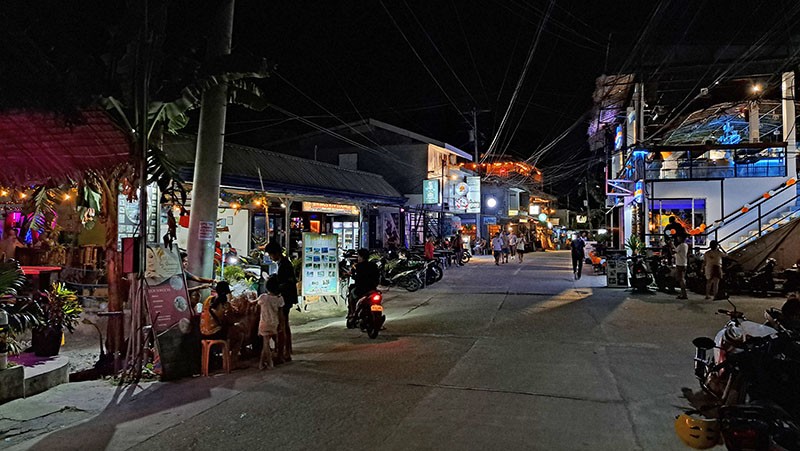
473 194
430 191
320 264
128 216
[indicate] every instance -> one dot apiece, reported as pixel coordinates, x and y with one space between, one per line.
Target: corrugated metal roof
286 174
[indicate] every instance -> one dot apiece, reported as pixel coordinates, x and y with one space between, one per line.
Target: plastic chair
205 357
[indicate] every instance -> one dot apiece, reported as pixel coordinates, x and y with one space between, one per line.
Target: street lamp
491 202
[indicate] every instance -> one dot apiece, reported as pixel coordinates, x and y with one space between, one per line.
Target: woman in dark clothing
288 290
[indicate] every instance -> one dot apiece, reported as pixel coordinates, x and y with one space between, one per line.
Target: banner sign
320 264
166 288
430 191
168 306
323 207
513 202
490 220
473 194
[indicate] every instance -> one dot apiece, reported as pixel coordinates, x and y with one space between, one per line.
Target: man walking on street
505 239
512 244
497 248
577 245
712 266
681 260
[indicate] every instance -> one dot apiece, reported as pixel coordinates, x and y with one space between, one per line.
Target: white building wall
238 233
736 191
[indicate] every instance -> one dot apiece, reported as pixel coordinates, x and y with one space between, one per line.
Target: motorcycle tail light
376 298
747 438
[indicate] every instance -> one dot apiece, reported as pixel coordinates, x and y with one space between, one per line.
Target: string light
22 195
66 196
3 193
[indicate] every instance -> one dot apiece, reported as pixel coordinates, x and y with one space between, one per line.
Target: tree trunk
115 332
208 160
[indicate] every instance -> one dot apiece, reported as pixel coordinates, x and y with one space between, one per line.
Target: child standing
270 304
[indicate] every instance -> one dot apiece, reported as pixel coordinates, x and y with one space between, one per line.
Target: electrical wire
531 51
419 57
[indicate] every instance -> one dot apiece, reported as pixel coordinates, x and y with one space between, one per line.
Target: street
517 356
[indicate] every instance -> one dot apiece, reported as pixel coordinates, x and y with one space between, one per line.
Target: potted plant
61 311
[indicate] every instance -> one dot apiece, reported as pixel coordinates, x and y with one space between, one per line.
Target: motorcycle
762 281
466 255
662 273
641 277
752 374
368 314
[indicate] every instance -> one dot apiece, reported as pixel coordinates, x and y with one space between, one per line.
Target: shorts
506 250
520 251
714 271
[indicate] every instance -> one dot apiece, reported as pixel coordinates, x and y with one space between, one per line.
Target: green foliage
11 278
297 266
603 238
233 274
61 308
635 245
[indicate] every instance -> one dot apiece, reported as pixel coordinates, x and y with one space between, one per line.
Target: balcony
709 162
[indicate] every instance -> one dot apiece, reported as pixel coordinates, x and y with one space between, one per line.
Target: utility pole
588 209
475 112
210 143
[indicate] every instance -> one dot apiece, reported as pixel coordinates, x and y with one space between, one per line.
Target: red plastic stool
226 355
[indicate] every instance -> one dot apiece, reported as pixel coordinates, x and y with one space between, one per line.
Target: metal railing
742 162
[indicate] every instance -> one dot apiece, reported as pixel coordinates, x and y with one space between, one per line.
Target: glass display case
348 234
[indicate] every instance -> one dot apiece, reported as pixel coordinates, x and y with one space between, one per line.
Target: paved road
508 357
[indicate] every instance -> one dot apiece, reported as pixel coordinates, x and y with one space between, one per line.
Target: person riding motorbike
366 277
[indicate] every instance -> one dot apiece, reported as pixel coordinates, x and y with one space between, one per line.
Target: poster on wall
388 226
170 313
430 191
128 217
320 264
473 194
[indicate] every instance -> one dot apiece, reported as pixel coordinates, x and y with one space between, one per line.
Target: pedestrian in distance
506 246
712 266
512 244
270 304
497 248
458 247
681 260
521 242
429 248
288 289
577 246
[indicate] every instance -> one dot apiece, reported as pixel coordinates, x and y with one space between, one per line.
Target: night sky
419 64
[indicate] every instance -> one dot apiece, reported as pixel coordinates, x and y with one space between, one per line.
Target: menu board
177 340
320 264
166 288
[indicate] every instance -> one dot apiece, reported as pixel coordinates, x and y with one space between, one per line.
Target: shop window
690 213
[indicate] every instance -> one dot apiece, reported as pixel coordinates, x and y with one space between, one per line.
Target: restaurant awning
39 147
285 174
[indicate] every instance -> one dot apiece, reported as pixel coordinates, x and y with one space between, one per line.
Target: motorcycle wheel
434 274
465 258
351 323
372 332
412 284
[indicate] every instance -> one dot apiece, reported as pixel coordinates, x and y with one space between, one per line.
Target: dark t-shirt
287 281
366 276
577 247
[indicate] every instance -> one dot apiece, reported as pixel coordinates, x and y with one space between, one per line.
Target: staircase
763 216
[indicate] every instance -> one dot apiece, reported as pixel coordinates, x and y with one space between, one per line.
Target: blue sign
490 220
430 191
618 138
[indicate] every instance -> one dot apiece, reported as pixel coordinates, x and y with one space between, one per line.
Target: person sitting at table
217 322
9 245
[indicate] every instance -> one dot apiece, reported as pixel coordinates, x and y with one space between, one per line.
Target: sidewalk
24 423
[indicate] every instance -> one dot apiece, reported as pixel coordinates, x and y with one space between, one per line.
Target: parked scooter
762 280
752 373
368 314
662 273
640 275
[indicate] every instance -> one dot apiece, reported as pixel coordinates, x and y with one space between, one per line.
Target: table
41 276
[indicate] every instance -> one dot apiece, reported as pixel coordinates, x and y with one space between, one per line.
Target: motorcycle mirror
731 303
703 343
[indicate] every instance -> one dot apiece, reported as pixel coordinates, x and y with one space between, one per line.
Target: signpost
320 265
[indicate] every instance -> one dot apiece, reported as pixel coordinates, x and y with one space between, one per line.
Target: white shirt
497 244
681 253
512 240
